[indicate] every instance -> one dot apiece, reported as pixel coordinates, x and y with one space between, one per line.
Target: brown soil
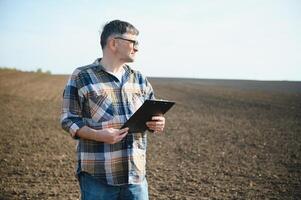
223 140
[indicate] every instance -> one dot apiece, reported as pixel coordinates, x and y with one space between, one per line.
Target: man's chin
129 60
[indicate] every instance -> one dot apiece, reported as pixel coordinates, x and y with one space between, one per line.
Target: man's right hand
111 135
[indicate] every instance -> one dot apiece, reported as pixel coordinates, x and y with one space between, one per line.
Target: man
98 100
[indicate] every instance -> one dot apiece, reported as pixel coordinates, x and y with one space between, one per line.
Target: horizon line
39 70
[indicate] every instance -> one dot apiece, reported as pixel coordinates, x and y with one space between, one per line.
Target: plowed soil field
224 139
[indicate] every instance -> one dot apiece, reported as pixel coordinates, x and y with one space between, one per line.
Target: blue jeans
93 189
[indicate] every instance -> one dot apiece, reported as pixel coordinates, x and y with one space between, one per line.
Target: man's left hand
156 124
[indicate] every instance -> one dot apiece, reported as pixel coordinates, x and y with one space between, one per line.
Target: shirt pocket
137 98
100 105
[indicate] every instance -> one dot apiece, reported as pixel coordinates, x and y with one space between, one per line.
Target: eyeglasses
134 42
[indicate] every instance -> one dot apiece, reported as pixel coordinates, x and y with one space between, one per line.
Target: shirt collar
97 63
127 69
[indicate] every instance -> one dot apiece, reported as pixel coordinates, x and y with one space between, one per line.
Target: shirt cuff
74 128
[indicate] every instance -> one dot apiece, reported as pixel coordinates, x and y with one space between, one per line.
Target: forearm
110 135
90 134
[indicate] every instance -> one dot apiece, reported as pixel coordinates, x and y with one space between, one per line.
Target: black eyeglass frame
134 42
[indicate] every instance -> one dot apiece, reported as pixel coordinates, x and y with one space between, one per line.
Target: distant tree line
39 70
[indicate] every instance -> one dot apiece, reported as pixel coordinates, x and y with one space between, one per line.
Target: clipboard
149 108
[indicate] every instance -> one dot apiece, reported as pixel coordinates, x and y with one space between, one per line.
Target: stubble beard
129 59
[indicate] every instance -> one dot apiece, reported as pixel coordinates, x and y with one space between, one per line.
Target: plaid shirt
97 99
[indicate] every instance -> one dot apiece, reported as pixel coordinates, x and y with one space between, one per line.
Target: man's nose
135 49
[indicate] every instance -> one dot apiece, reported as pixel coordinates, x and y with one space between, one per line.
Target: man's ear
112 44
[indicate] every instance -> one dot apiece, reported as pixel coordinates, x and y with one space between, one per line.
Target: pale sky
223 39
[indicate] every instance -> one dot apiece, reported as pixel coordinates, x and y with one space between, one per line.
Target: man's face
127 46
